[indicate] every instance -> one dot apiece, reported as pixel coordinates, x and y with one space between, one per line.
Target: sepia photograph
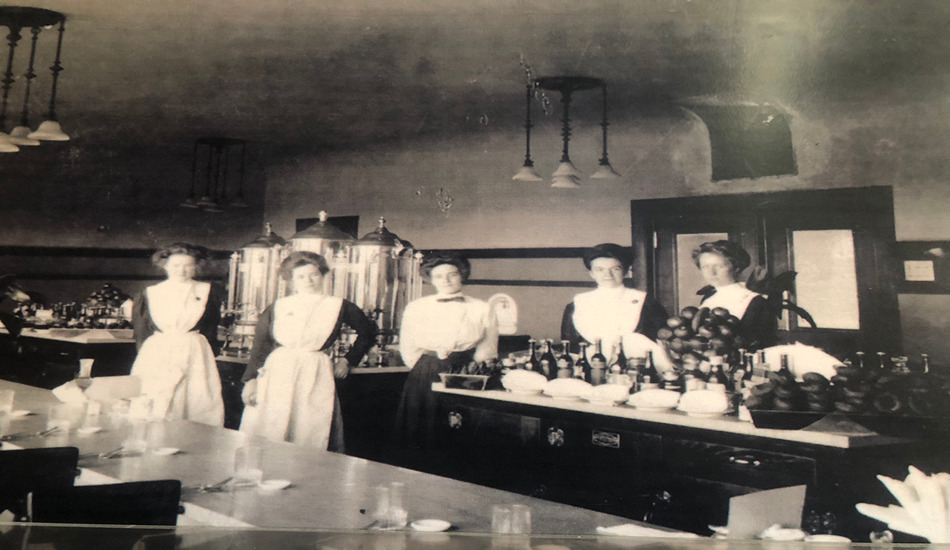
560 274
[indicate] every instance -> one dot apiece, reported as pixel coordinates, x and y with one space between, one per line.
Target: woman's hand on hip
249 393
341 368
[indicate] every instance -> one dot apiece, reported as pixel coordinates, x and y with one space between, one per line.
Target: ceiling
305 76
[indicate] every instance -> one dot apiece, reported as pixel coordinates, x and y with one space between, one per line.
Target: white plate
86 430
564 397
836 539
274 484
653 408
20 413
165 451
430 525
705 414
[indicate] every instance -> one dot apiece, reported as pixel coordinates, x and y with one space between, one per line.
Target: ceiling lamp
16 18
566 175
215 174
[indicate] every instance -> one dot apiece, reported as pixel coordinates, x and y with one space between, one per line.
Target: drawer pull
555 437
455 420
745 460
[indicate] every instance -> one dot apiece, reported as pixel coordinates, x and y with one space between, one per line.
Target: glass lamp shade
49 130
206 202
604 172
567 168
7 145
566 182
213 207
21 136
527 173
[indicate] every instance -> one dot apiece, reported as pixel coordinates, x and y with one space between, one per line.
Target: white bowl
274 484
432 525
655 400
567 388
165 451
524 381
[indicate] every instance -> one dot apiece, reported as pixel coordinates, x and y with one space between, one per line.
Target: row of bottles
727 374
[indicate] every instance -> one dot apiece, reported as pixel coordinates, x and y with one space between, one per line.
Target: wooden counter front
680 470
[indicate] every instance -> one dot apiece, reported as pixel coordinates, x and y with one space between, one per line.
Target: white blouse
735 297
445 324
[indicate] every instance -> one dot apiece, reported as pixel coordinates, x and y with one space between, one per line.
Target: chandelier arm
29 75
12 39
566 123
56 69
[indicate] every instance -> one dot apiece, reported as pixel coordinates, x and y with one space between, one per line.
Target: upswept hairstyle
729 250
201 254
434 259
300 259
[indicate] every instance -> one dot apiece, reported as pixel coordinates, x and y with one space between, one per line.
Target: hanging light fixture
605 170
566 175
218 165
527 172
16 18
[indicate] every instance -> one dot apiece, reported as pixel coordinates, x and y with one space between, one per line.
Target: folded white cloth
802 359
632 530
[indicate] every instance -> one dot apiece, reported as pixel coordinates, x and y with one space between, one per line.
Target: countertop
730 424
328 491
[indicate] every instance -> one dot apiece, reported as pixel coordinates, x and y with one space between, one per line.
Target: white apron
607 315
295 387
735 297
176 365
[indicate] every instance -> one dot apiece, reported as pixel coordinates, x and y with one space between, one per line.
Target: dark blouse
652 317
350 314
207 325
759 325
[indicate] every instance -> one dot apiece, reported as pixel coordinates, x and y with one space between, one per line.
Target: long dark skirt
415 418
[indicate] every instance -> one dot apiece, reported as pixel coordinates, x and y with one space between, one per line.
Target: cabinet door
601 467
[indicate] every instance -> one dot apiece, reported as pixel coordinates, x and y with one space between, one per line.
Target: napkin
924 507
632 530
70 392
802 359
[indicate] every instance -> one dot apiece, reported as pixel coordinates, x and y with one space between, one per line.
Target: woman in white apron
721 263
176 324
611 312
290 391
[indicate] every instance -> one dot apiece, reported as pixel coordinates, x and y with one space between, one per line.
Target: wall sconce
566 175
215 173
16 18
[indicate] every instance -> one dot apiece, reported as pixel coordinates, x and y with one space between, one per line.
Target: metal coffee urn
384 277
253 284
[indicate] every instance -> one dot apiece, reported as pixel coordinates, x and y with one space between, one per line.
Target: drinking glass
520 519
398 516
136 441
85 368
248 465
501 519
6 401
59 416
381 513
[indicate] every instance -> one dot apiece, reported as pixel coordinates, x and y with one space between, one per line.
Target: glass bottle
532 362
925 359
598 366
649 377
860 355
619 363
582 366
717 379
565 363
547 361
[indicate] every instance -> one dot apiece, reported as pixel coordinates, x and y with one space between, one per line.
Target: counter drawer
737 465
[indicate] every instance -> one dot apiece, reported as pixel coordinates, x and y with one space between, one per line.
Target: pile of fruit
107 295
854 391
698 332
